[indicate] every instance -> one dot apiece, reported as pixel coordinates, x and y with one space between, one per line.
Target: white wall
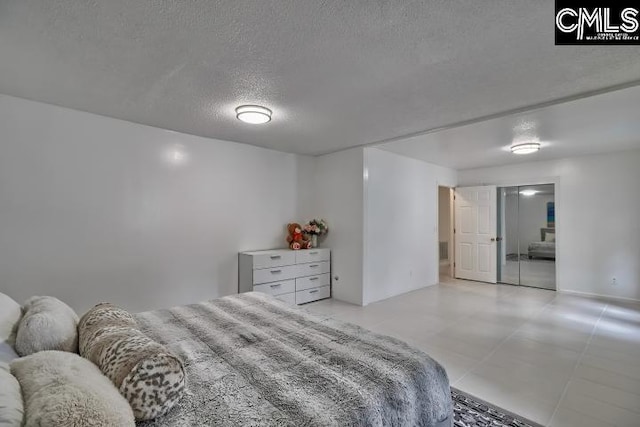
306 195
524 216
510 223
532 216
597 217
338 199
95 209
401 223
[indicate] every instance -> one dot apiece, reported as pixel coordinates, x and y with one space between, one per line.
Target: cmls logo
615 22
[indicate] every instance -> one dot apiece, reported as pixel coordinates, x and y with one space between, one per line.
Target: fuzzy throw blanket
252 360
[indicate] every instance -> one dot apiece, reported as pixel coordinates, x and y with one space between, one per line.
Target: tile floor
558 359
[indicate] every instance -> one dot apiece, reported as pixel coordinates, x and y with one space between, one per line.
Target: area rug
469 411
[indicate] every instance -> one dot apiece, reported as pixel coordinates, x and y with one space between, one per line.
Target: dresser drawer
276 288
309 282
274 259
309 295
275 274
313 268
288 298
312 255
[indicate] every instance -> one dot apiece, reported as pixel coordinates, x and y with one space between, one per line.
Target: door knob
498 239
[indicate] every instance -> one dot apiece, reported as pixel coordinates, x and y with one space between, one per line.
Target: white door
475 233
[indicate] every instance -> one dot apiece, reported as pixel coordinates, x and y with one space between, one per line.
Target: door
537 236
475 233
527 216
509 265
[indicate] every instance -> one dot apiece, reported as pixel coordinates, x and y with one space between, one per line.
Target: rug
469 411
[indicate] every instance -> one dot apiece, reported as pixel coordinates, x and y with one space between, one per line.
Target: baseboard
594 295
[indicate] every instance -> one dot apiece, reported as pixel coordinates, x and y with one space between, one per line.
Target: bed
253 360
546 247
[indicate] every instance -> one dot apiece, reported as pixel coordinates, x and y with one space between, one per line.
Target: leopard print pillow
146 373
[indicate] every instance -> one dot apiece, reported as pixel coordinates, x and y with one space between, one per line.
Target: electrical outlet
614 282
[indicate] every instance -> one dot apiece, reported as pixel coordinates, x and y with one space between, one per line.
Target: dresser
296 277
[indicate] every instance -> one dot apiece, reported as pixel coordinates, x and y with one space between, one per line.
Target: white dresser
296 277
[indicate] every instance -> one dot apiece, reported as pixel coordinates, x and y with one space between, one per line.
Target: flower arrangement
316 227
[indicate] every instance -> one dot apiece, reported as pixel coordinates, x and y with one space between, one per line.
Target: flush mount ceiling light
525 148
528 192
253 114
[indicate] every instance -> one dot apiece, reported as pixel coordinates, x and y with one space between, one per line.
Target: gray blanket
252 360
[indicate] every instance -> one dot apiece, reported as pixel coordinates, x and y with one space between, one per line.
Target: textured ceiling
597 124
336 73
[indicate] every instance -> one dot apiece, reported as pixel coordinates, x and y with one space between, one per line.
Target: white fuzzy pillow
62 389
10 314
47 324
11 408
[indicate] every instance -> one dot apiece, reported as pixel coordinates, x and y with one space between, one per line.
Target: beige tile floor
558 359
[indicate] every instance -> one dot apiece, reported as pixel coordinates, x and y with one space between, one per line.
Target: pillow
7 353
63 389
47 324
12 411
10 314
146 373
550 237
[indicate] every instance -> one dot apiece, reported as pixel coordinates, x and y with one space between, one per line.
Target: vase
314 241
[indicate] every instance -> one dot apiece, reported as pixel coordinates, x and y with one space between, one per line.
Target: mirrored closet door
527 242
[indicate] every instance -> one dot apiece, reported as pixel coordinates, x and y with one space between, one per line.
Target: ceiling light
253 114
528 192
525 148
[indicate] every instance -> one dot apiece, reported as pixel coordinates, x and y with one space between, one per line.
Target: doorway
526 225
445 232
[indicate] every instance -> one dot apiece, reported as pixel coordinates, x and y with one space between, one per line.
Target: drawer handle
276 256
313 253
276 271
313 291
276 285
314 278
314 266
